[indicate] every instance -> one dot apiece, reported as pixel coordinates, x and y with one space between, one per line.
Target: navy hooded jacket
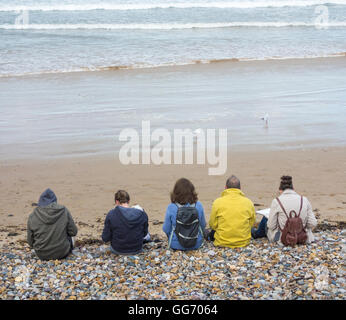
125 228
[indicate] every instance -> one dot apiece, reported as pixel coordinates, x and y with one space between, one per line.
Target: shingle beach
258 271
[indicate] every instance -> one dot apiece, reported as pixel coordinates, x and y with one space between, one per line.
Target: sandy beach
87 185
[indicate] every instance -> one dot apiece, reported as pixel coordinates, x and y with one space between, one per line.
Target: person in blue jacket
183 194
125 227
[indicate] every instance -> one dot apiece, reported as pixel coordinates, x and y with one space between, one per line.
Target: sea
74 73
46 36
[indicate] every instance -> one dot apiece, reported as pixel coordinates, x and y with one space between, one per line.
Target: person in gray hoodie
51 228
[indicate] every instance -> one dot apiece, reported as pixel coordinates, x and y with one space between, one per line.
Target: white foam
181 5
167 26
150 66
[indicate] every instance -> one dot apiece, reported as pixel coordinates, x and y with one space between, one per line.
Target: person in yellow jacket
232 217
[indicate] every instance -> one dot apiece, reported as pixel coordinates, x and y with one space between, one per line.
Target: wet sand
87 185
82 113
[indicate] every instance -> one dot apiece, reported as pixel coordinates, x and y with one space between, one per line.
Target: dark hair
286 183
184 192
233 182
122 196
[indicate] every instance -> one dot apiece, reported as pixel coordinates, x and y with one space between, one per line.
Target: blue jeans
209 234
262 229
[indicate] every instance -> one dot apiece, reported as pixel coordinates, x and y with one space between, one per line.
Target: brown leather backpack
293 232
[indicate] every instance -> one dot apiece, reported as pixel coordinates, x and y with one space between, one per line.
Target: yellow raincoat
232 217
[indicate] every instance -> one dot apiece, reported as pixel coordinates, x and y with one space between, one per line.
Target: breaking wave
182 5
168 26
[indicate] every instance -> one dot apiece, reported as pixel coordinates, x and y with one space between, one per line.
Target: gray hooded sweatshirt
48 230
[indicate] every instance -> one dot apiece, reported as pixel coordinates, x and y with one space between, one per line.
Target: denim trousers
261 232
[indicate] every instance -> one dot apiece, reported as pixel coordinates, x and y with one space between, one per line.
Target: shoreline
167 66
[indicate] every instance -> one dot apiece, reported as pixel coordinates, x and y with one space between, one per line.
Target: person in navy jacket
184 194
125 227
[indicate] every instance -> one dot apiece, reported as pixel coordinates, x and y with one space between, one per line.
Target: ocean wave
228 60
182 5
168 26
211 61
177 64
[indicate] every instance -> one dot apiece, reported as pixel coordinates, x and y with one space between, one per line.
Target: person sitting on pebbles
125 227
51 228
281 208
232 217
184 221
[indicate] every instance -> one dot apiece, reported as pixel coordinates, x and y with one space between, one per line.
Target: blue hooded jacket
170 222
125 228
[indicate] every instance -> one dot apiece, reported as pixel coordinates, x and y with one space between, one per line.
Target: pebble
259 271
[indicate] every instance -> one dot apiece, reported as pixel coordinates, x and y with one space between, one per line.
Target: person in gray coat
51 228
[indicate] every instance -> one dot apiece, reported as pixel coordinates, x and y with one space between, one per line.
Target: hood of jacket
49 214
130 216
46 198
232 192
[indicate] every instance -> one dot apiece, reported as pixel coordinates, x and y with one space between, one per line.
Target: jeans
209 234
262 229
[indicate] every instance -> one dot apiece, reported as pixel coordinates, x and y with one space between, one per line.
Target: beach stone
157 273
211 253
13 234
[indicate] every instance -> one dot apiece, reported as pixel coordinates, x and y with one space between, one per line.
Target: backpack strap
283 209
201 231
199 225
301 206
170 238
300 210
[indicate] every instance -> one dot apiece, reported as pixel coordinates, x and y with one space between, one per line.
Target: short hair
233 182
184 192
286 183
122 196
